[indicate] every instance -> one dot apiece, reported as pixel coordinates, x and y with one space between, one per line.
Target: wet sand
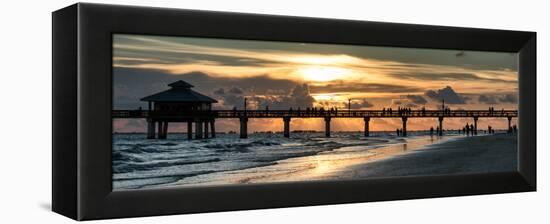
478 154
414 156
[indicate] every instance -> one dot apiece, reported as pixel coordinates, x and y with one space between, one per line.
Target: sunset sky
299 75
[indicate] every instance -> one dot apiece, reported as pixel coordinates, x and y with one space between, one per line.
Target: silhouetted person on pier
431 130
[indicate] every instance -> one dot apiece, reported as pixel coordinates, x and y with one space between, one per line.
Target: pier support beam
189 130
286 131
475 125
165 130
160 129
367 120
150 129
509 124
206 124
404 119
327 126
198 129
244 129
213 128
440 126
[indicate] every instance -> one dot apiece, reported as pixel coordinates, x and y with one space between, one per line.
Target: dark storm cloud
509 98
447 77
403 103
363 87
130 85
447 94
219 91
298 97
487 99
235 90
416 99
361 104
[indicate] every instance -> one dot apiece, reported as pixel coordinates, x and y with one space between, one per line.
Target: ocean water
139 163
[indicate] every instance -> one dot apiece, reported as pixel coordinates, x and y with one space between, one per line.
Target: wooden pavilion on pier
180 104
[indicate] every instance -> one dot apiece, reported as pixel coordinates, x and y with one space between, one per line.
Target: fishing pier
181 104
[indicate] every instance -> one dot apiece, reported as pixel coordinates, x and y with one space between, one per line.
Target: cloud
299 97
361 104
509 98
219 91
130 85
494 99
447 94
416 99
403 103
487 99
235 90
428 76
363 88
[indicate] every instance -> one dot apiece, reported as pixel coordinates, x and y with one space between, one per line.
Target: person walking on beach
467 129
472 129
431 131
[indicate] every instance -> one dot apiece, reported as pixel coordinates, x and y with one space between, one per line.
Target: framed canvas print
165 111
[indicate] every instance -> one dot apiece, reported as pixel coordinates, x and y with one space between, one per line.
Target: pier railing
315 114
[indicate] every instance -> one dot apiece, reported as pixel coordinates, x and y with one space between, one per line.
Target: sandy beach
422 155
478 154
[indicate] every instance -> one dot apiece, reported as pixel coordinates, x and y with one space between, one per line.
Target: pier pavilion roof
180 91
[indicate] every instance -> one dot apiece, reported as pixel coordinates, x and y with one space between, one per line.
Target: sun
322 73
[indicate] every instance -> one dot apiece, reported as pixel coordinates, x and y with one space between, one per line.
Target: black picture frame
82 88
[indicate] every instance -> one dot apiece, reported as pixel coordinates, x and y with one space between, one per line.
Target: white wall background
25 112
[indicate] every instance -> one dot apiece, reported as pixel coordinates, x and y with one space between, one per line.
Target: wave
130 167
138 162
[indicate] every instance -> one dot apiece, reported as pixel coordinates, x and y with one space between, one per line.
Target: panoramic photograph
191 112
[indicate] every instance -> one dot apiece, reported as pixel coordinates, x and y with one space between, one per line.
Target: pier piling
367 120
286 130
198 129
150 129
404 119
243 130
213 128
327 126
165 130
475 125
189 130
509 124
206 129
440 126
